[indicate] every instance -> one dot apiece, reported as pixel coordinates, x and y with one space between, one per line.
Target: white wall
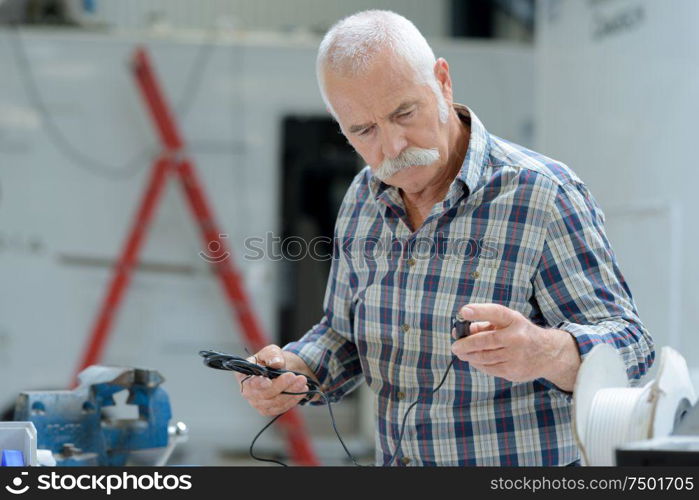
617 99
266 15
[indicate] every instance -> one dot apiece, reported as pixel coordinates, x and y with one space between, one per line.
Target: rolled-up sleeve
328 348
579 287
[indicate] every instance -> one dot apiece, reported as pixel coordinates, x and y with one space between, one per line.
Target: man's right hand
264 394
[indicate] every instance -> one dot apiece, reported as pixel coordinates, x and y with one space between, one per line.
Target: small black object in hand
462 326
224 361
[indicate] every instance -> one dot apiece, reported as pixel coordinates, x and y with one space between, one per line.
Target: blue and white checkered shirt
516 228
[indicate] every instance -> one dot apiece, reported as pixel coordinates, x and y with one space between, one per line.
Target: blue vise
74 427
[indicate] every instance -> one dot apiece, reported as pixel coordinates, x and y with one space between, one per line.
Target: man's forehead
359 101
378 91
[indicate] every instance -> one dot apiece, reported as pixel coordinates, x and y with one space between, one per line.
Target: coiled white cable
608 414
617 416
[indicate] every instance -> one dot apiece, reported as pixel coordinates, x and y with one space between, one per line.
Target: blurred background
607 86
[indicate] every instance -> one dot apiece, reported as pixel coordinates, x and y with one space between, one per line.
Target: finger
297 389
488 358
254 388
481 326
499 316
272 410
271 356
242 379
496 370
262 388
483 341
284 401
475 327
280 404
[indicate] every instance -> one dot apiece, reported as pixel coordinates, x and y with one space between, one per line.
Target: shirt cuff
312 355
583 336
316 359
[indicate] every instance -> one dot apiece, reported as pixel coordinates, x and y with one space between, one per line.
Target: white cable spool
607 413
673 390
601 369
617 416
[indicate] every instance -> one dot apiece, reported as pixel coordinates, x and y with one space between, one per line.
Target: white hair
349 47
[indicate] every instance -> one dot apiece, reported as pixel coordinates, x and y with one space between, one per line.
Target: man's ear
441 73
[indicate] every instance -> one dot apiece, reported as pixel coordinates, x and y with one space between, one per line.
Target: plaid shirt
515 228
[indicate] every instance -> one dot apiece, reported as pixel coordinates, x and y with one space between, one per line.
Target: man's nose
393 142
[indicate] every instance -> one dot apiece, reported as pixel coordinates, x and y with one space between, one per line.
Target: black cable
252 445
332 420
223 361
337 433
138 162
410 408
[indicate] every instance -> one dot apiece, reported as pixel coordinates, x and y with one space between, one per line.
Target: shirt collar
478 148
474 161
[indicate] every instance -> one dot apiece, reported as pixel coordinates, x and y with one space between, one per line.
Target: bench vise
73 425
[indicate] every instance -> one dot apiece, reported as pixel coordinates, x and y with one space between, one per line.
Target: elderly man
519 249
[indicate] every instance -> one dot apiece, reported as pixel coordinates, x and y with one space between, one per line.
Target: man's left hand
504 343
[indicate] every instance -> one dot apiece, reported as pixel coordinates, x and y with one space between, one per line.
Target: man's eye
406 114
366 131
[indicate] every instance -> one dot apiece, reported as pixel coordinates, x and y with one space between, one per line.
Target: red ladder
173 160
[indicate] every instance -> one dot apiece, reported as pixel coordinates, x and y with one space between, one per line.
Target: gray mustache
411 157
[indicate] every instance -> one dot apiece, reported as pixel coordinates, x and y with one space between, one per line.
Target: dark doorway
318 166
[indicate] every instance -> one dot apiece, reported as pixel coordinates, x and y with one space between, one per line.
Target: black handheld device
231 362
462 326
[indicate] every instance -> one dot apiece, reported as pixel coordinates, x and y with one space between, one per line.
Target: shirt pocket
497 283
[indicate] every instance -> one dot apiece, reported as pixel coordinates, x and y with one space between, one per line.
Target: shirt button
400 395
411 262
405 327
475 274
405 460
